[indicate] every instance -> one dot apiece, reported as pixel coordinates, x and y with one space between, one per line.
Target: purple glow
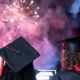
53 25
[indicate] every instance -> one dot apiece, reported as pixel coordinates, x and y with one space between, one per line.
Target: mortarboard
71 44
18 54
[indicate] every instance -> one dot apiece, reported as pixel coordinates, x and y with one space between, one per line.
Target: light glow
11 20
4 11
35 12
7 16
45 74
18 27
9 38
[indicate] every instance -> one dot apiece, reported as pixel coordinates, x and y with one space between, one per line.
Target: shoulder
61 75
63 72
56 77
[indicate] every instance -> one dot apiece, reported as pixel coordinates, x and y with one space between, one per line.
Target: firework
21 10
15 16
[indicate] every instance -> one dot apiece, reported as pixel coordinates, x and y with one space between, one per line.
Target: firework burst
15 15
21 10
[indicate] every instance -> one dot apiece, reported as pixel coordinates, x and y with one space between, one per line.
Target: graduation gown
19 56
67 75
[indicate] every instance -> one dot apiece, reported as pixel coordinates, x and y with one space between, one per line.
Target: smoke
53 25
75 8
75 11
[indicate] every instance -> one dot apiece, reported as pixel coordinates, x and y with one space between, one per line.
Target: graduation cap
71 44
18 54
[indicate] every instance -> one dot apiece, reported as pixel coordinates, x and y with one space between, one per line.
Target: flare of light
9 38
7 16
45 74
11 20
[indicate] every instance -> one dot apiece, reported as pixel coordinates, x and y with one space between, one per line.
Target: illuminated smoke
75 8
52 25
75 11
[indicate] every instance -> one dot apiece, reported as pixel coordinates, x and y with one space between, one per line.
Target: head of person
70 58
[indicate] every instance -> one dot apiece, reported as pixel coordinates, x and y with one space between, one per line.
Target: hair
70 59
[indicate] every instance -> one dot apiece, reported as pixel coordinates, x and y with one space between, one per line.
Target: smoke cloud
53 24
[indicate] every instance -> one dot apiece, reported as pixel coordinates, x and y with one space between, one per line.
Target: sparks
17 8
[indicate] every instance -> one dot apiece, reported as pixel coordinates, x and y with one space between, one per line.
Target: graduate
70 60
19 56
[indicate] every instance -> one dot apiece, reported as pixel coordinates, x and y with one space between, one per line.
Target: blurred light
15 9
23 1
21 8
17 6
36 23
45 74
6 19
9 38
10 9
4 11
7 7
35 12
11 20
38 7
18 27
42 77
37 15
13 3
20 18
32 2
27 7
48 70
7 16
